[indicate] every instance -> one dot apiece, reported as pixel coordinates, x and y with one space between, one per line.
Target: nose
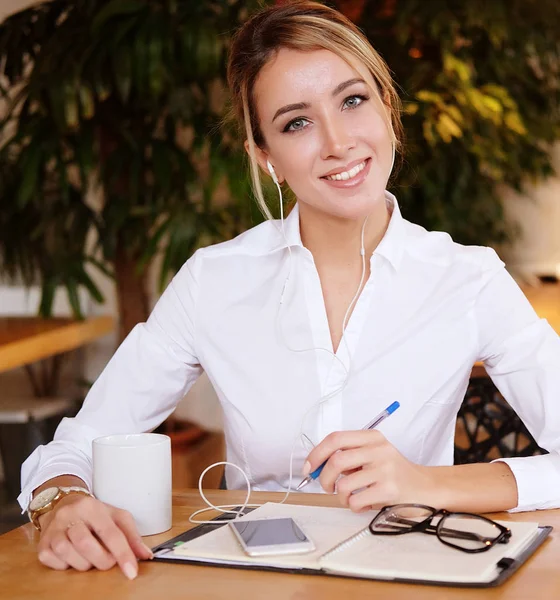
337 140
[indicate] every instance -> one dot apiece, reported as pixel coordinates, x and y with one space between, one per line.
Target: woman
264 315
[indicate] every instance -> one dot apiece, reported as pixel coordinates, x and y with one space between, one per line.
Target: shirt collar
391 246
291 228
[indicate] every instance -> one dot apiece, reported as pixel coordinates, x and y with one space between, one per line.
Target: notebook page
424 557
325 526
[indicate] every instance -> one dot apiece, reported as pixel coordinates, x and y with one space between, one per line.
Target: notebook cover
509 567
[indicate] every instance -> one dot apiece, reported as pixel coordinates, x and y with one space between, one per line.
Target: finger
89 547
115 542
63 549
354 484
376 495
127 524
343 461
48 558
343 440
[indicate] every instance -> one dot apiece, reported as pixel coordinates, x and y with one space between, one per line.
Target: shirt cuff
538 481
48 473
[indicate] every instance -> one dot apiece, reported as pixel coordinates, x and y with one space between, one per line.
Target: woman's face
318 119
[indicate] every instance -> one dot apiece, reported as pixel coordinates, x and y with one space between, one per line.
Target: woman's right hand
82 532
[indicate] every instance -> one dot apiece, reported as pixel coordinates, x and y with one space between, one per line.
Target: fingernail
306 468
149 550
130 571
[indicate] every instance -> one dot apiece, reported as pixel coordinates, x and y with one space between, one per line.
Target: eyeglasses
464 531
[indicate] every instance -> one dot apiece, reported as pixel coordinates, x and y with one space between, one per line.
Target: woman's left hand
374 473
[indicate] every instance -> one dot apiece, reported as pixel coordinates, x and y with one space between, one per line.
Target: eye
298 124
355 100
293 125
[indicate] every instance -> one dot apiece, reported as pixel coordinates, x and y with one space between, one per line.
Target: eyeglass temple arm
453 533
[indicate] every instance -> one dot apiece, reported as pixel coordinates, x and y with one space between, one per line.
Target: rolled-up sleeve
141 385
521 354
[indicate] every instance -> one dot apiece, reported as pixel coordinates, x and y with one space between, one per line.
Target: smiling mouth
346 175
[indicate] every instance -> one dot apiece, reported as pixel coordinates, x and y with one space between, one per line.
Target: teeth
347 174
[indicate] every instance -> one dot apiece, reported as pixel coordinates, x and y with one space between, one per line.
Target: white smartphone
260 537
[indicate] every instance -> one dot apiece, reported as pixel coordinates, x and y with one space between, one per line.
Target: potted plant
481 92
122 96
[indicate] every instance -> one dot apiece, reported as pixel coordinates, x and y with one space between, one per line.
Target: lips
347 175
345 168
350 183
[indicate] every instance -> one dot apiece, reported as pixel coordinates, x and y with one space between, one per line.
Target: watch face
43 498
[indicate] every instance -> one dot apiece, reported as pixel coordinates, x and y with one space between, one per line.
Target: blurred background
114 169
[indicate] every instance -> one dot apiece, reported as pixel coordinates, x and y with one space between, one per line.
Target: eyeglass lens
468 532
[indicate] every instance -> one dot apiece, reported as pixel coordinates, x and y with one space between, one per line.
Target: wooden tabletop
24 340
22 575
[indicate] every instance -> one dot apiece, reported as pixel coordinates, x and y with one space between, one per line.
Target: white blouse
430 309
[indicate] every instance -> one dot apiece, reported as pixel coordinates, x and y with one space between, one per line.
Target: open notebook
344 546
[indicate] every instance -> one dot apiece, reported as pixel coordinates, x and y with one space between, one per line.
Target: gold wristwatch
47 499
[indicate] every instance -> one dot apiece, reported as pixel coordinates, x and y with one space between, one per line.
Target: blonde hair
305 26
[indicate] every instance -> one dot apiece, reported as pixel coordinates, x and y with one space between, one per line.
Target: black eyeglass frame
426 526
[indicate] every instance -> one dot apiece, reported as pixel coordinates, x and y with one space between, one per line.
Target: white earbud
272 172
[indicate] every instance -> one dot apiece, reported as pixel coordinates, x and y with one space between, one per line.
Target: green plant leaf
93 290
411 108
71 107
101 266
86 102
113 9
454 113
454 65
74 298
447 128
30 174
428 132
122 68
429 97
48 291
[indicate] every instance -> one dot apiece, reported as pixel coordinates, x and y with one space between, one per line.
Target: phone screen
269 532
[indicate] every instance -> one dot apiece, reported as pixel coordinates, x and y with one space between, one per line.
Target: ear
387 101
262 157
387 98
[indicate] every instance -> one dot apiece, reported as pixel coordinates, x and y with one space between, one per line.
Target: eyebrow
301 105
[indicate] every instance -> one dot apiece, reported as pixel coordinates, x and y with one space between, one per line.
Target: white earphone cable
234 508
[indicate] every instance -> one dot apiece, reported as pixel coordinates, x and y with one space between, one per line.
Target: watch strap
75 488
62 492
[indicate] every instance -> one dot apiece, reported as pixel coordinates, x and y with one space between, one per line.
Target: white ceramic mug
133 472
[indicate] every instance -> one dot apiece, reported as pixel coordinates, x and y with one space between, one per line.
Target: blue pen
380 417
